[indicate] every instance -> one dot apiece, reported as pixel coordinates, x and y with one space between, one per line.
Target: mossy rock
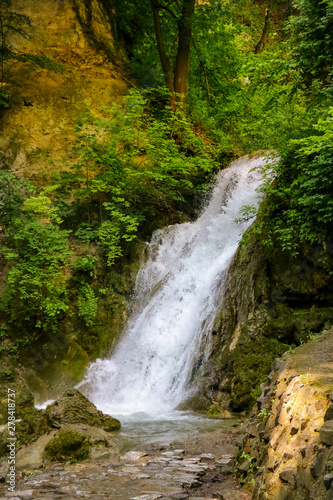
217 411
67 445
74 408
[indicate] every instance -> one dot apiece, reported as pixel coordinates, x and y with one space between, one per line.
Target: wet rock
326 433
195 469
148 496
288 476
25 494
74 408
328 480
207 457
226 464
181 495
329 414
142 476
134 456
179 452
175 454
3 471
67 445
217 411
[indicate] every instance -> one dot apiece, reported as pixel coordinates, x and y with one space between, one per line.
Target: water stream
176 296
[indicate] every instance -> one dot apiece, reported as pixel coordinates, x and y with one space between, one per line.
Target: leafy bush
87 304
132 167
36 293
299 206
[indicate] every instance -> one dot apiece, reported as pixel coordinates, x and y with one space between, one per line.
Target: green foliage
85 264
311 38
36 291
87 304
133 166
299 205
12 193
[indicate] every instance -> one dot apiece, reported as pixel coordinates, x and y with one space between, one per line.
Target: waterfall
176 296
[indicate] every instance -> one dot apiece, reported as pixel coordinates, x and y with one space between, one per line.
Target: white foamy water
177 293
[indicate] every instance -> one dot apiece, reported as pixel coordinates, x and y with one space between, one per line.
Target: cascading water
177 293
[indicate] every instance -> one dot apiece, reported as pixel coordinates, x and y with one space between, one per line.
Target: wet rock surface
196 468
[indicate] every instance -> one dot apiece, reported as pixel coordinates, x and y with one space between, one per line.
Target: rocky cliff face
288 444
80 69
271 303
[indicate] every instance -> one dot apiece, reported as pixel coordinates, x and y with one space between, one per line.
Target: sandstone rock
32 455
318 465
74 408
272 463
326 433
304 424
303 450
293 430
288 476
252 430
329 413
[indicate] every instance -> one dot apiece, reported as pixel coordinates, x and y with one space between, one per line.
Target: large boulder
71 429
74 408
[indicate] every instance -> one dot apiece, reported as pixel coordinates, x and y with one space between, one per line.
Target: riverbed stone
226 464
133 456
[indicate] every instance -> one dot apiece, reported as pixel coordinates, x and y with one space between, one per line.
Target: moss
67 445
250 363
216 411
32 425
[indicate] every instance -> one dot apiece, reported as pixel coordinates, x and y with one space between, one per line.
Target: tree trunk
264 37
160 46
183 54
